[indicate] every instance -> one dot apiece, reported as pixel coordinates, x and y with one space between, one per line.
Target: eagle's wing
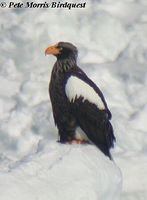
90 109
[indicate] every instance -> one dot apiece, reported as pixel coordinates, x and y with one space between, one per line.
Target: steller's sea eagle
79 108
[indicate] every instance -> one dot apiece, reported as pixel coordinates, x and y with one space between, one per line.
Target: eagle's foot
76 141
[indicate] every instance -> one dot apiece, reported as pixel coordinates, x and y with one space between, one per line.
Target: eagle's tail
107 132
110 135
110 138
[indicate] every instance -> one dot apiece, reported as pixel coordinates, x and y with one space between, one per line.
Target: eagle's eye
60 48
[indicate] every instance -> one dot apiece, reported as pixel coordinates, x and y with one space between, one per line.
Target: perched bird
79 108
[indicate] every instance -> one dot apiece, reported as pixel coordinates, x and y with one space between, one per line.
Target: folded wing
90 110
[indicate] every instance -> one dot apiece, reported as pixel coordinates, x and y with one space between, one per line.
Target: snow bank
62 172
134 169
111 38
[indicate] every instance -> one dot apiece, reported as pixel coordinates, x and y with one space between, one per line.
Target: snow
48 175
111 39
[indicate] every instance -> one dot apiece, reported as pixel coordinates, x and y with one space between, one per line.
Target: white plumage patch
75 87
80 134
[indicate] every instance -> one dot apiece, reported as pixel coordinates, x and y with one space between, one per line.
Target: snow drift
111 38
65 172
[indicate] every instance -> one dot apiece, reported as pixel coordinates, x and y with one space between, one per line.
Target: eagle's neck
64 65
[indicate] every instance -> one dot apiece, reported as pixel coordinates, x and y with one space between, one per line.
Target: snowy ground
111 38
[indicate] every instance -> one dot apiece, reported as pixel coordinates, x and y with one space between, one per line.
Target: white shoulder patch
76 87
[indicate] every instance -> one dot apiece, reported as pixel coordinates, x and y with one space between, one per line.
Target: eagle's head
62 50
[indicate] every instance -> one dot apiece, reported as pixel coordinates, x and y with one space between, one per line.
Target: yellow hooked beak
52 50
